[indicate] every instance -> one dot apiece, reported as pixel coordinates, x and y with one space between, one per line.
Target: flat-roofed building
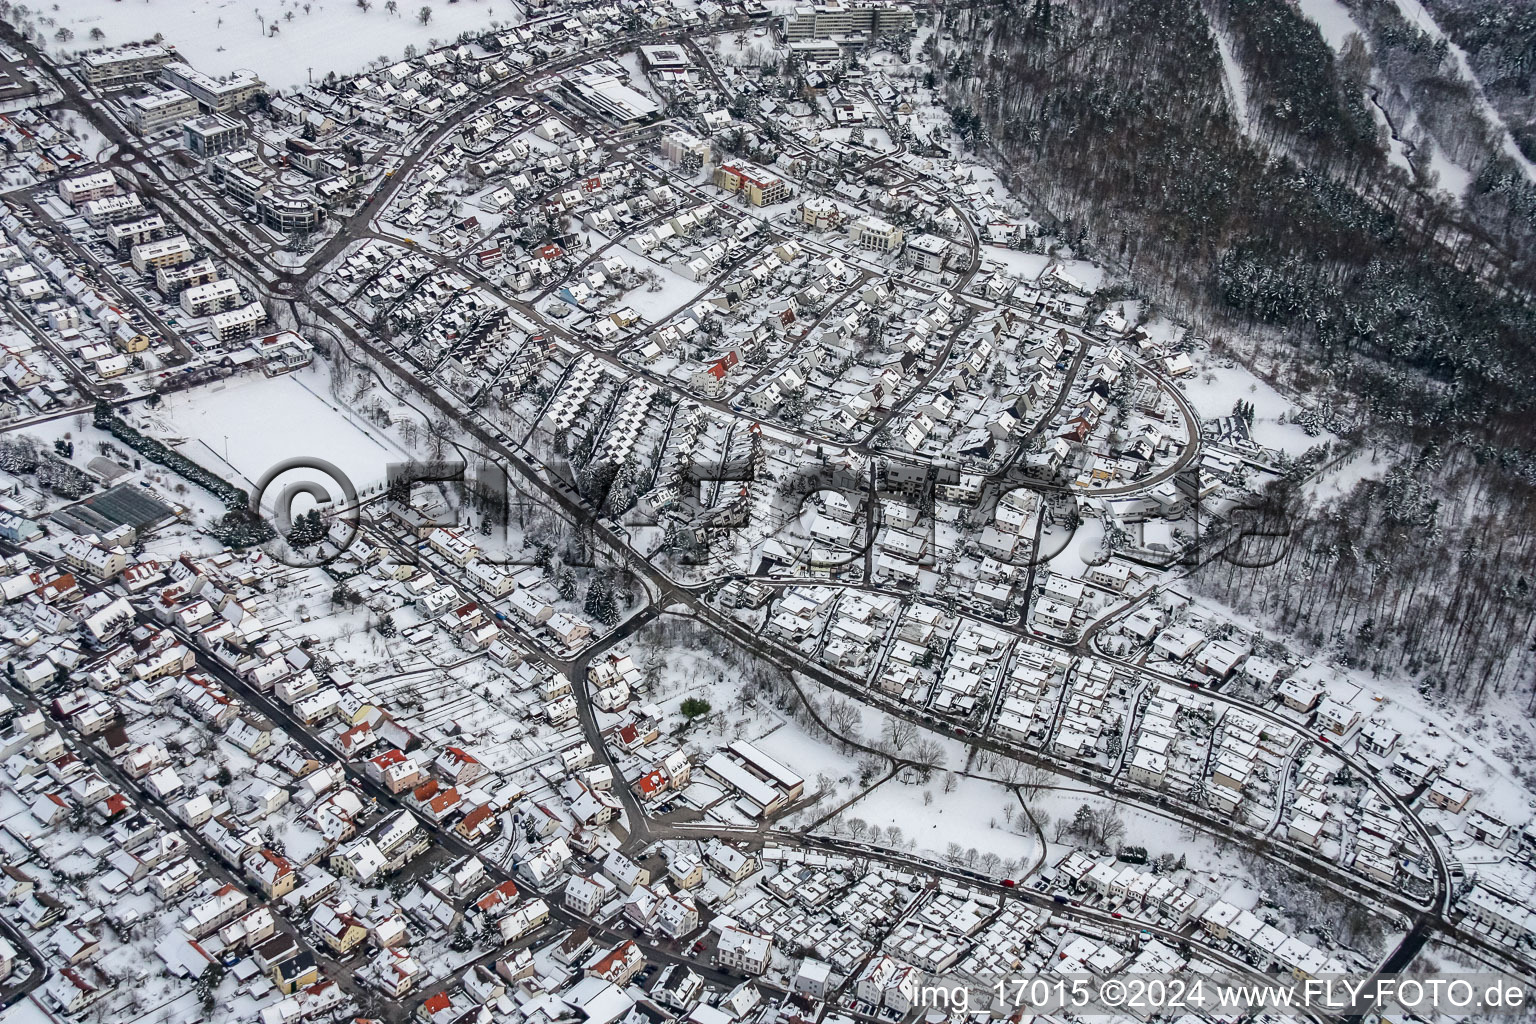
684 149
112 208
928 253
164 252
283 352
131 233
85 187
125 64
212 134
219 94
235 324
761 187
830 20
156 111
610 96
873 233
284 210
171 280
213 297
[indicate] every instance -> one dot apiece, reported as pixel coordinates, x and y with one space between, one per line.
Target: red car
1008 883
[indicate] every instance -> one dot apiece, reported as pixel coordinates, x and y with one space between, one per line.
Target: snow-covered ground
1414 12
250 424
973 815
1219 387
1236 84
1333 20
1340 480
1026 265
218 36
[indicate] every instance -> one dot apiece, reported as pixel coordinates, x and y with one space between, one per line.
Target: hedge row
233 497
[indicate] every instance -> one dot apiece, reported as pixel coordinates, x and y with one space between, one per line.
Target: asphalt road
663 590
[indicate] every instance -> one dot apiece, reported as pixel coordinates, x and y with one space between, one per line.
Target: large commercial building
764 785
828 21
157 111
761 187
212 134
128 64
280 207
610 96
219 94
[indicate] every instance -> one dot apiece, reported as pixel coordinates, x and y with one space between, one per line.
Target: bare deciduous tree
1033 779
899 733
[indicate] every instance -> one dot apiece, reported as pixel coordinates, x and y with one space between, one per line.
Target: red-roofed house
652 785
272 872
394 770
356 739
480 823
442 805
458 766
619 965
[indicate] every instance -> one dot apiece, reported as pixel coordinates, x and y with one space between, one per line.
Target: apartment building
137 232
212 134
761 187
210 298
832 20
170 280
235 324
125 65
86 187
685 150
156 111
112 208
164 252
219 94
875 233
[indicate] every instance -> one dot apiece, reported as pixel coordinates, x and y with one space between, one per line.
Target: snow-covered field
1218 388
971 816
218 36
252 423
1026 265
1341 479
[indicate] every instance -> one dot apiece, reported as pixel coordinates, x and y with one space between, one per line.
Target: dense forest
1499 38
1338 273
